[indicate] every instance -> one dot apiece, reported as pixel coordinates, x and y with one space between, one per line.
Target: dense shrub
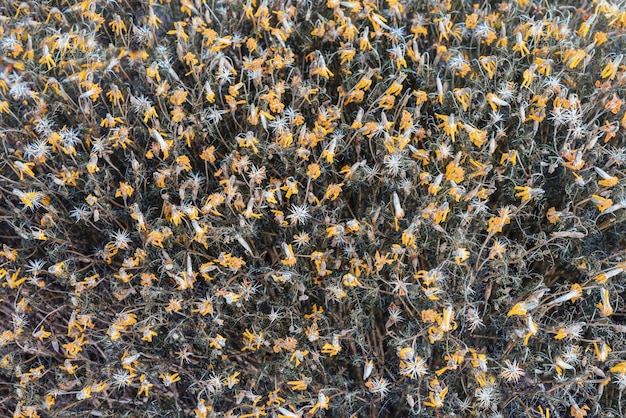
306 208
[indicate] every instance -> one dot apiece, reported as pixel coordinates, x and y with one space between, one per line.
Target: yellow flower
124 191
246 141
488 63
232 380
599 38
460 255
174 305
252 341
449 125
574 294
532 329
329 153
298 356
454 172
498 222
46 58
49 402
333 191
291 187
184 162
316 313
24 168
521 308
437 394
578 412
117 25
322 403
332 349
605 305
602 352
447 320
573 57
601 202
350 280
477 136
179 30
57 269
347 55
619 368
509 157
145 386
320 67
301 384
202 410
169 378
41 334
85 393
497 249
148 334
353 226
13 281
178 114
406 353
218 342
520 45
115 95
527 193
607 180
99 386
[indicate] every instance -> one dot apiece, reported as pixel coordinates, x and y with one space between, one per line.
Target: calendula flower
560 365
610 70
124 191
145 386
322 403
290 258
607 180
601 202
602 351
497 223
460 255
350 280
573 295
527 193
605 304
169 378
447 320
570 331
332 349
24 168
301 384
521 308
449 125
619 368
85 393
579 411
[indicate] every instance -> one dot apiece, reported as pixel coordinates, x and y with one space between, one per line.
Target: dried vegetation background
307 208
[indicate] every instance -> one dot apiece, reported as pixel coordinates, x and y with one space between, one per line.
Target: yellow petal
619 368
518 309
